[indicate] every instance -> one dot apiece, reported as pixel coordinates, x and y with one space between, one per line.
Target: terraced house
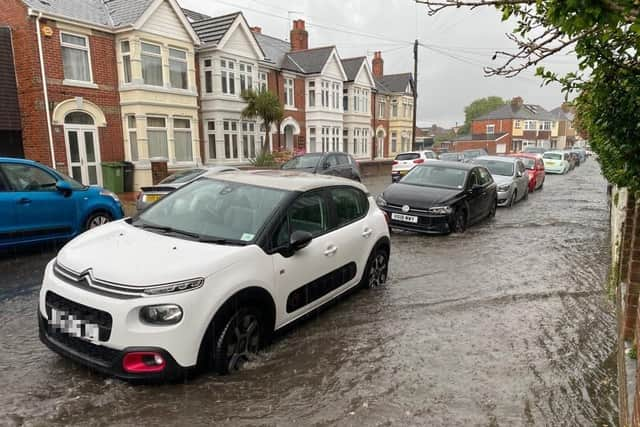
357 95
102 80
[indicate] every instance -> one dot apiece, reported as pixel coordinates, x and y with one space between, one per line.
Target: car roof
452 165
289 180
498 158
21 161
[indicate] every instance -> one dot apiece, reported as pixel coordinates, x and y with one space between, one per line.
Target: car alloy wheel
513 199
378 267
459 221
96 220
238 341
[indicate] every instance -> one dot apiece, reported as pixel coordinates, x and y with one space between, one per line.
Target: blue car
38 204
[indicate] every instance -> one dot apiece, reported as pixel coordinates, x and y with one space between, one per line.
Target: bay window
336 96
356 140
365 140
312 139
228 77
157 137
345 140
183 148
246 77
382 106
325 138
356 103
262 76
208 75
394 142
133 137
325 94
151 58
249 140
75 57
230 131
312 94
211 138
394 109
125 48
178 75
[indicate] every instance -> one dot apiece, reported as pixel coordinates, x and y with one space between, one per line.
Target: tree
266 106
478 108
605 36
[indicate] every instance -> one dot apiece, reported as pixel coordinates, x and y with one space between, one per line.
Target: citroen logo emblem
406 209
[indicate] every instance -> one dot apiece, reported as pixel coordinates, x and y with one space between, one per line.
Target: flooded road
508 324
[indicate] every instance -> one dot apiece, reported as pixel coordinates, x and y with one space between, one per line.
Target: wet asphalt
508 324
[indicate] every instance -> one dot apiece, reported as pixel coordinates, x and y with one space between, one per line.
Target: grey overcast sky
450 73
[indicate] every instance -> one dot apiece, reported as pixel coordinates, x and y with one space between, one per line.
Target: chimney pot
257 30
377 65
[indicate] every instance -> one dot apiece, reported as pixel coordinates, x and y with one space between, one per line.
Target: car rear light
418 161
395 162
143 362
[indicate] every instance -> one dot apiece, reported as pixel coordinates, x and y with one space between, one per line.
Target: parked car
440 197
469 155
151 194
404 162
571 158
40 204
203 277
336 164
451 157
579 155
556 162
530 149
535 169
511 177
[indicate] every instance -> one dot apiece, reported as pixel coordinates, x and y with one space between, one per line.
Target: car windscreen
211 209
183 177
496 167
472 154
436 176
74 184
407 156
303 162
528 163
552 156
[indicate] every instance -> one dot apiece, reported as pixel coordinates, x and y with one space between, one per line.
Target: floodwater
508 324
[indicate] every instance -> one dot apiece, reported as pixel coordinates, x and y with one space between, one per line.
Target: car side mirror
519 174
477 188
64 187
299 240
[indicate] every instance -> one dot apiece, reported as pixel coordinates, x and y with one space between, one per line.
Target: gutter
44 86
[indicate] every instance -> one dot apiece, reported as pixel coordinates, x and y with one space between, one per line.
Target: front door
83 155
380 146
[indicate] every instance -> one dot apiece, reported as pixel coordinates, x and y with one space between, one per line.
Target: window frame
228 77
86 48
211 132
184 61
126 55
245 75
154 128
207 75
289 92
263 81
492 127
132 130
188 130
154 55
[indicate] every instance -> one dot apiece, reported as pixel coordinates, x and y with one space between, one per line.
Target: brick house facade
64 97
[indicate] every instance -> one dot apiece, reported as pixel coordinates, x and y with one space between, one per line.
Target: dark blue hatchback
38 203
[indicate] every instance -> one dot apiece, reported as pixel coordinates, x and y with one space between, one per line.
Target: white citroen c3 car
205 276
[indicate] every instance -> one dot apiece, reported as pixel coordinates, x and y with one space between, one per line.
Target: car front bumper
427 223
504 197
106 360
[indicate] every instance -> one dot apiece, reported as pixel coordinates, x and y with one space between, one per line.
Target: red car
535 168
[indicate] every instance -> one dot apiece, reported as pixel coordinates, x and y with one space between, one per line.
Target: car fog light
166 314
141 362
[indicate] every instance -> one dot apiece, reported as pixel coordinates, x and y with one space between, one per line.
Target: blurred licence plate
404 218
75 327
152 198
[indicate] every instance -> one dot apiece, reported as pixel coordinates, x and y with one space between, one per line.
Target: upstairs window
75 57
312 94
529 125
491 129
246 77
382 106
125 48
262 77
394 109
517 124
208 76
151 64
288 92
228 77
325 94
336 96
178 69
345 100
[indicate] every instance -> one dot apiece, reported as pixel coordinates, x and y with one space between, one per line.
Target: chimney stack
517 102
299 36
257 30
377 65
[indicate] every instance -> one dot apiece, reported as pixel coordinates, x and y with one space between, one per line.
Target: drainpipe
44 88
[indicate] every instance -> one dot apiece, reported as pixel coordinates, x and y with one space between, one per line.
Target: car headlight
165 314
111 194
504 187
381 202
440 210
187 285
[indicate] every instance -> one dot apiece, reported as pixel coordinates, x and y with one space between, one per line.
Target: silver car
152 194
510 175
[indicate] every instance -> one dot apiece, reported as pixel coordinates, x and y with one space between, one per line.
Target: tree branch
437 6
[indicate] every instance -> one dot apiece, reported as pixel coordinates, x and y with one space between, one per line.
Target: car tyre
239 340
526 195
541 185
375 273
514 197
459 221
97 219
493 209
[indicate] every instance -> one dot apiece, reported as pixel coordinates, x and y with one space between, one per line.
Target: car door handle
331 251
367 233
24 201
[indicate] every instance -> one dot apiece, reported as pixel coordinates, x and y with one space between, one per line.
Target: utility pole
415 93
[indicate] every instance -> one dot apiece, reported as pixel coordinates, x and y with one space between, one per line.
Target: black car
442 197
336 164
